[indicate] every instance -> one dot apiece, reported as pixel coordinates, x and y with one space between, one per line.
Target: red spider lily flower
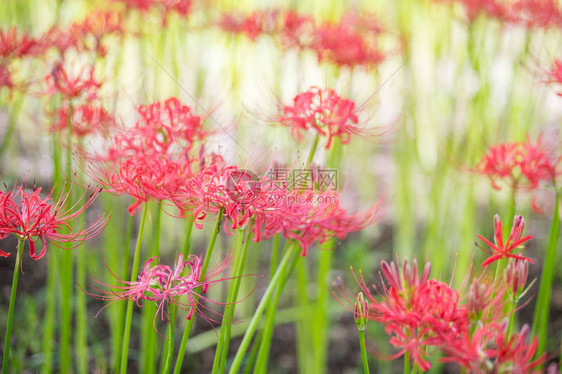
485 300
417 312
142 5
323 111
489 350
536 13
167 286
151 160
309 217
521 164
351 42
59 39
516 275
30 217
251 26
13 47
501 250
96 26
147 177
70 86
86 119
491 8
164 128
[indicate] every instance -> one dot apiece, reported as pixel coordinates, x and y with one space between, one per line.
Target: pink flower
151 159
489 350
86 119
351 42
521 164
12 47
500 250
536 13
166 286
323 111
70 86
30 217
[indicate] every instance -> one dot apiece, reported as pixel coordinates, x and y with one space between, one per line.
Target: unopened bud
361 312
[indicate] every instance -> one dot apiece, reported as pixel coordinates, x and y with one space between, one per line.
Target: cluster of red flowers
151 159
527 13
270 206
288 25
351 41
165 286
31 217
419 312
323 111
520 164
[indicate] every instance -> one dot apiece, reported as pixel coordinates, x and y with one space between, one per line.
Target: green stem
407 362
118 334
170 343
188 231
263 354
189 324
304 340
312 150
17 267
285 262
222 336
14 113
130 303
540 321
52 276
363 351
232 296
67 270
81 315
148 335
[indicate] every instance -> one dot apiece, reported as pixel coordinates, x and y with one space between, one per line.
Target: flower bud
361 312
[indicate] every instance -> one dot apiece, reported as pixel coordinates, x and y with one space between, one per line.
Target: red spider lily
309 217
323 111
491 8
251 26
516 275
165 128
147 177
71 87
522 164
59 39
166 286
86 119
221 186
13 47
30 217
351 42
142 5
554 75
417 312
96 26
489 350
501 250
292 28
485 300
151 160
536 13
